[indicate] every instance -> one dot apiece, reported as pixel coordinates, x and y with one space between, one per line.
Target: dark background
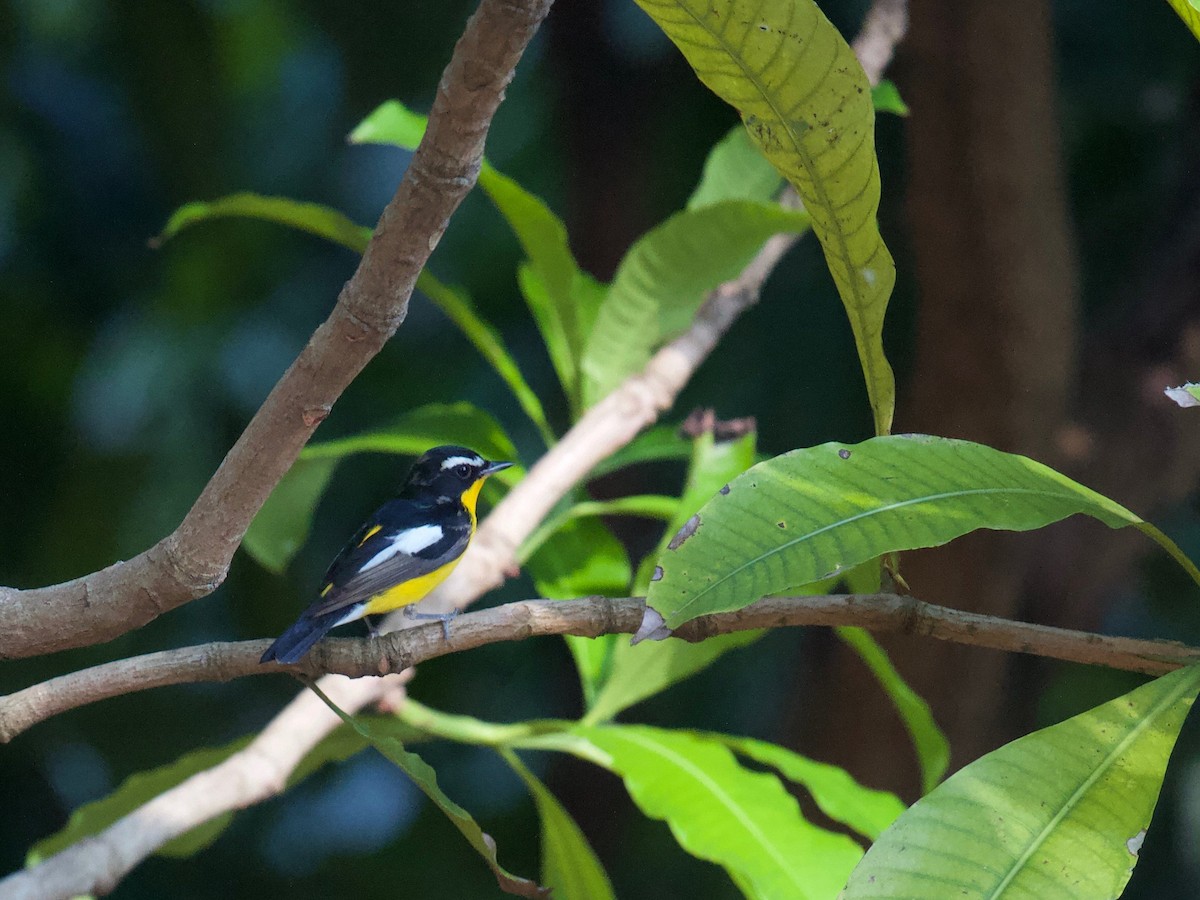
1043 202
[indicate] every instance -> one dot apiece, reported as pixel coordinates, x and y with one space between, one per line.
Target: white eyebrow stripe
410 541
453 461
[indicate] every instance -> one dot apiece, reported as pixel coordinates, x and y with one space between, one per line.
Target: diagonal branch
193 560
587 617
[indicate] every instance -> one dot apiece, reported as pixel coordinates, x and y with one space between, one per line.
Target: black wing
397 544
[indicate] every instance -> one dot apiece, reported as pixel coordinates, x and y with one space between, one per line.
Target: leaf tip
1185 395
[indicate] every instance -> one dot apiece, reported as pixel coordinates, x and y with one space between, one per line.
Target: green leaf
311 217
735 170
569 865
382 735
141 787
886 98
662 443
636 672
562 298
582 559
867 811
1189 11
457 306
744 821
933 750
1058 813
813 513
391 123
282 525
1185 395
806 102
664 278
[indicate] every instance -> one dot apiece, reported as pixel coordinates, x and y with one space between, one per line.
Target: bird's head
449 472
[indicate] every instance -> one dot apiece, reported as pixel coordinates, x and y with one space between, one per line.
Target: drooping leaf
1189 11
735 170
867 811
665 276
569 865
383 734
1058 813
744 821
806 102
311 217
813 513
582 559
637 672
282 525
933 750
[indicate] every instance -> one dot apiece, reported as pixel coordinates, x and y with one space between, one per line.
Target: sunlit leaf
807 104
569 865
838 795
1185 395
1058 813
665 276
1189 11
282 525
718 810
886 97
813 513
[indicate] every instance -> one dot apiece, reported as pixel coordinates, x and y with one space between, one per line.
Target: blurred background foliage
127 373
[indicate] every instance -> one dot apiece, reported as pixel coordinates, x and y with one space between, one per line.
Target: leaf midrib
927 498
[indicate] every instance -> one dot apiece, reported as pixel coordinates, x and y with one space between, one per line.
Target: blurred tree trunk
996 345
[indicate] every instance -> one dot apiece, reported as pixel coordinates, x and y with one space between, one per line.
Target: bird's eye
463 471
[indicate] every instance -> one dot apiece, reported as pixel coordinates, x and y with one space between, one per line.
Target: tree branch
588 617
193 560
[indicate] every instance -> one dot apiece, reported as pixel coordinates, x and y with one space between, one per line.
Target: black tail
290 646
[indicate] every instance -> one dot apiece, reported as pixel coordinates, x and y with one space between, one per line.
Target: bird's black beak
493 467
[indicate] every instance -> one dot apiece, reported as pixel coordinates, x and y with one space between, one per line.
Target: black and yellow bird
405 550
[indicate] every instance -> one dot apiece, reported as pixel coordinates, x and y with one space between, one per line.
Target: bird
402 552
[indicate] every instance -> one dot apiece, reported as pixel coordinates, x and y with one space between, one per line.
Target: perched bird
405 550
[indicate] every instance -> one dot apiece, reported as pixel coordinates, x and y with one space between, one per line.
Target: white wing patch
453 461
410 541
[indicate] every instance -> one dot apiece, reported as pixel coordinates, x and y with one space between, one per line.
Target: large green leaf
867 811
569 866
735 170
636 672
933 750
665 276
718 810
1058 813
385 736
807 103
282 525
810 514
1189 11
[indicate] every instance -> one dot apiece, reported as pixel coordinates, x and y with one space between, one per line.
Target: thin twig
588 617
